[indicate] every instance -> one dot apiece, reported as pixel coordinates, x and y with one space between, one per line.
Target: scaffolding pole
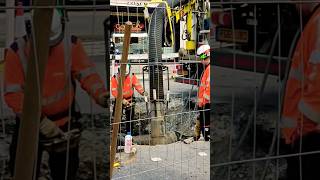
118 109
27 149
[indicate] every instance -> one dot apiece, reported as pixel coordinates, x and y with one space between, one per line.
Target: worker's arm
114 87
200 95
137 85
206 94
309 103
84 70
204 89
13 82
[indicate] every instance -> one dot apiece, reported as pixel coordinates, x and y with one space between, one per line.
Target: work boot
197 130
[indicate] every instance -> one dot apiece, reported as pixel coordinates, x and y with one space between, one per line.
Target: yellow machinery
184 10
187 10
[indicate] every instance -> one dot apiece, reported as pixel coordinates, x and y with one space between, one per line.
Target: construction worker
203 54
301 109
67 60
130 83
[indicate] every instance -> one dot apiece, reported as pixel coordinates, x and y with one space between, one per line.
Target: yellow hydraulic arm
185 10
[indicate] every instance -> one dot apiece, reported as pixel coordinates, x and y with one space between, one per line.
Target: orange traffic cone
20 26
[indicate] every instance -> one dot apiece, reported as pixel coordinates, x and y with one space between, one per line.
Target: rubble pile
92 153
222 121
181 117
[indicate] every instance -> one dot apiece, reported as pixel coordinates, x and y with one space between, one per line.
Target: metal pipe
144 89
156 28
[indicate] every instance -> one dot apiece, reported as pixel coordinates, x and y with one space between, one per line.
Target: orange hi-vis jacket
301 111
130 82
204 89
58 94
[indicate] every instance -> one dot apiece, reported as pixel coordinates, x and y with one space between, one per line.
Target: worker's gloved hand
103 100
49 129
145 94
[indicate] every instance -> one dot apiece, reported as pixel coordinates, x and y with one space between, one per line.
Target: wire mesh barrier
263 54
264 119
175 160
80 149
161 114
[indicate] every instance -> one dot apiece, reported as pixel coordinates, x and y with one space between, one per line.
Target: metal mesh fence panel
163 123
84 20
255 52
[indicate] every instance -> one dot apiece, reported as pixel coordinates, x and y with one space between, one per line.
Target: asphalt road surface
242 85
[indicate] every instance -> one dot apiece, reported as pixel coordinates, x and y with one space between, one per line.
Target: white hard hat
56 34
203 52
128 67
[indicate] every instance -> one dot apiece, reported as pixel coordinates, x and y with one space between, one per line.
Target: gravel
222 121
92 150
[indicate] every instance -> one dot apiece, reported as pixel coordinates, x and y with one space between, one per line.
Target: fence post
27 149
118 109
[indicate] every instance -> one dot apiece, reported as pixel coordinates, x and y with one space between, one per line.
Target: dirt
222 121
180 118
92 153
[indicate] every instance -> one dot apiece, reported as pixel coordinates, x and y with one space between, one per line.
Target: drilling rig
170 13
173 24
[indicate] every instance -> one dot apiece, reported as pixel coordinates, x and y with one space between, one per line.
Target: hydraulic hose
156 29
155 51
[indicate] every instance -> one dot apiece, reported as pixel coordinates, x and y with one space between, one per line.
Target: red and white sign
135 27
133 3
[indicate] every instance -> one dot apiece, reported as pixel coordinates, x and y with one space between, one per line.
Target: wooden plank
118 109
27 149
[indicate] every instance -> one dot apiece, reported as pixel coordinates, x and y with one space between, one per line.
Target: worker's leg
129 117
57 164
113 112
57 160
121 126
197 129
207 122
202 116
13 150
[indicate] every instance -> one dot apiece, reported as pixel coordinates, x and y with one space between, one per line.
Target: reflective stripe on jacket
301 111
58 95
130 82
